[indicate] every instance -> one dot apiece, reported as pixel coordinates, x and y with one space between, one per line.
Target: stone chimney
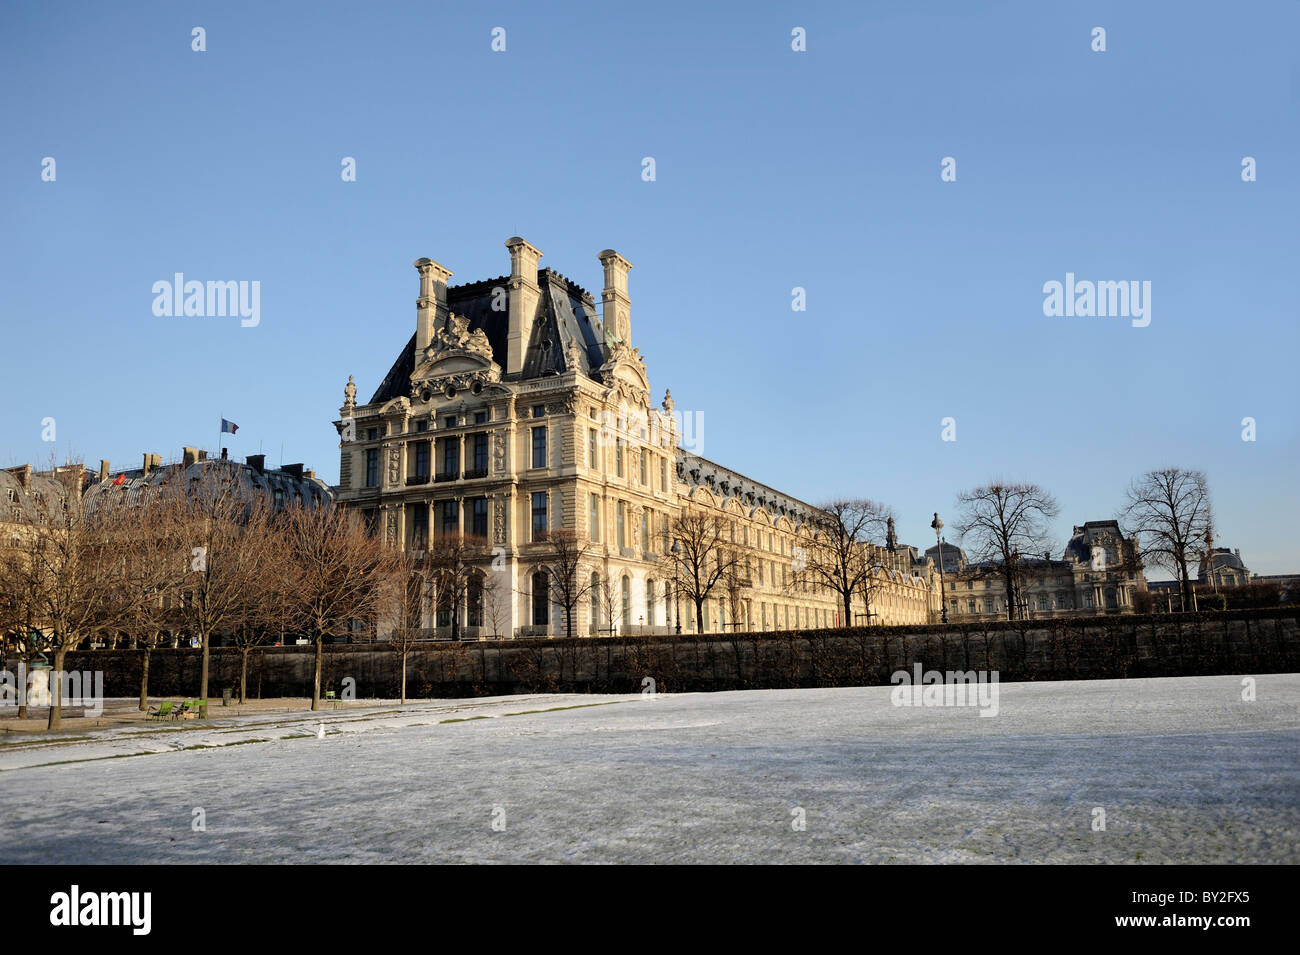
616 307
431 306
189 456
103 470
150 462
24 474
257 462
524 296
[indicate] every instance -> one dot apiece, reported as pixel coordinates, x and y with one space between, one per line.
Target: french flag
228 427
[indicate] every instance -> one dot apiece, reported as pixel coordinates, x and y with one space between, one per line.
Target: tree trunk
56 691
144 681
699 614
848 608
320 656
203 671
24 658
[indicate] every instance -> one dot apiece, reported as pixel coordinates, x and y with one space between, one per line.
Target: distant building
1223 569
1098 573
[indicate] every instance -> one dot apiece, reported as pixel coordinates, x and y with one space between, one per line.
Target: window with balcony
480 528
419 526
450 459
450 518
480 455
422 460
539 447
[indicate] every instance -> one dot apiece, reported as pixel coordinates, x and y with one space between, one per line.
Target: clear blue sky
775 169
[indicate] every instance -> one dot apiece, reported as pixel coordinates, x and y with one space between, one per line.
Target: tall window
650 601
450 518
474 600
539 447
618 457
480 528
663 475
539 514
595 601
627 602
591 448
643 468
622 509
422 459
541 600
450 455
647 529
372 467
480 452
419 525
594 518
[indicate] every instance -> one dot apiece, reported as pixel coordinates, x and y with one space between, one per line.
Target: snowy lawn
1183 768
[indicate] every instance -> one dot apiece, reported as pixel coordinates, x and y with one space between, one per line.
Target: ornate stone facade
515 407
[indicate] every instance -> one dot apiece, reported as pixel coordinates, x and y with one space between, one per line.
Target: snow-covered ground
1184 769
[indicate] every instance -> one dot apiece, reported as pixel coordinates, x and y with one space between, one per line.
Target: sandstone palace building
518 408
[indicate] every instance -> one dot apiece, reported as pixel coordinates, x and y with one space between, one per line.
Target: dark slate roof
567 313
699 471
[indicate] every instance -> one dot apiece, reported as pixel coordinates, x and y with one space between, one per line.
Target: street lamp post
1209 560
943 596
677 585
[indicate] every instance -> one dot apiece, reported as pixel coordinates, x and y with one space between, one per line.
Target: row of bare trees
193 558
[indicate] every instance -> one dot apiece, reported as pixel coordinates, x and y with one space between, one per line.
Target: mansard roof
566 314
699 471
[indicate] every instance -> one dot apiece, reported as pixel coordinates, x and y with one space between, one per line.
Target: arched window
541 600
474 600
627 602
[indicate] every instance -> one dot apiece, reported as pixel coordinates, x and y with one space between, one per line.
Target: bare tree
451 561
838 554
1003 522
737 584
495 588
155 573
336 574
700 557
610 598
565 563
407 588
1169 511
74 570
224 523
